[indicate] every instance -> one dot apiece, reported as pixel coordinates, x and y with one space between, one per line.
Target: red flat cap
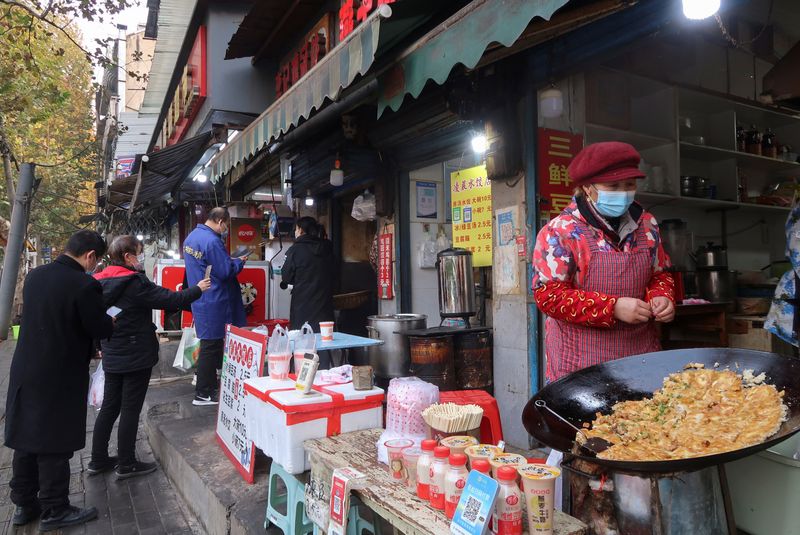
608 161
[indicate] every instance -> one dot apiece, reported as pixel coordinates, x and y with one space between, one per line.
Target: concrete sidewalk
183 439
145 505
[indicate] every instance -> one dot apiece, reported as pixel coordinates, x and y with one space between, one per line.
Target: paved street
146 505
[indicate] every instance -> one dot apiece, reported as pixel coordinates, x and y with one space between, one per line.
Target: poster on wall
385 265
245 233
471 204
427 200
506 262
556 150
243 359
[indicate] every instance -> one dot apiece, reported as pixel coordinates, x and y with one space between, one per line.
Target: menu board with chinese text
471 205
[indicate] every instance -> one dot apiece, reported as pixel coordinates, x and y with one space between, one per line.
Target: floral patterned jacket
561 257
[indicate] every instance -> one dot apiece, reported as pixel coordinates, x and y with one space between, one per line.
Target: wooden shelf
658 199
707 153
598 132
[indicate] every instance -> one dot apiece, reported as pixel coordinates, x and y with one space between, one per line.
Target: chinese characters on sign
296 64
385 265
351 16
471 203
427 200
244 358
556 150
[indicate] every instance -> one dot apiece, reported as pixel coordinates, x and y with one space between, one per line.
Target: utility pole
15 245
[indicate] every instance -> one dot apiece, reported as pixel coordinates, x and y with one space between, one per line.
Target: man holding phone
205 255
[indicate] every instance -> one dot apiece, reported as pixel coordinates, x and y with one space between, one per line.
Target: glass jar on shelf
741 138
768 146
753 144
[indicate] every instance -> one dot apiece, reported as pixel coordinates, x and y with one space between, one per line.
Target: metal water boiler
456 286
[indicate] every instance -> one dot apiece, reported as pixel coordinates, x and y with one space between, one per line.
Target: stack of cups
395 449
326 331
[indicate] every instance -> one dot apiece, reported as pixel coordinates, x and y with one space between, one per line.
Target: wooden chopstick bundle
452 418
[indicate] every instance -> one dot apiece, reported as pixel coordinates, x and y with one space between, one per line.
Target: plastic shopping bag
305 342
97 387
188 350
279 354
364 208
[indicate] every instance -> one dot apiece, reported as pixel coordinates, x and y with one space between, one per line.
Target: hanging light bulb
700 9
479 143
551 103
337 175
309 199
201 177
140 237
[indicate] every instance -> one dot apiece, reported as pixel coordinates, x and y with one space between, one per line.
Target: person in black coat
49 381
310 268
130 354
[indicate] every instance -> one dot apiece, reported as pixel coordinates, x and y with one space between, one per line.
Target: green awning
334 72
463 38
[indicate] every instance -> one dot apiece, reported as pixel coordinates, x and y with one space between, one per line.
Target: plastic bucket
15 332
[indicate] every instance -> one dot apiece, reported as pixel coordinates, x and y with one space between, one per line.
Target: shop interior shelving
652 116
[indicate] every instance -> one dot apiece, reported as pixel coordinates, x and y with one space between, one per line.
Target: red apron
570 347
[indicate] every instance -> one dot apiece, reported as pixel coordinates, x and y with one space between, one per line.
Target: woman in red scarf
600 268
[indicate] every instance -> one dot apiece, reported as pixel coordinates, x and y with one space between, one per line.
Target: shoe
26 514
68 516
100 467
202 401
136 469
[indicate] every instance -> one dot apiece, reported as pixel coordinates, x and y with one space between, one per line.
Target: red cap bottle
441 452
458 459
481 465
429 445
507 473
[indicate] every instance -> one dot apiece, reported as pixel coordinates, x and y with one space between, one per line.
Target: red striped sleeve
558 299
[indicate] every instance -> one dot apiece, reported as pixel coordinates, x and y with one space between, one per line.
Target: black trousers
123 397
40 478
208 362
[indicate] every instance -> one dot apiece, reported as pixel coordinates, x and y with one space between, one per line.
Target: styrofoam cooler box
280 419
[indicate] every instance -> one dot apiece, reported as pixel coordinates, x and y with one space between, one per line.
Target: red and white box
280 418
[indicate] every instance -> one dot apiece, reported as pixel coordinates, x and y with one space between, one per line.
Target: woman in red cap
599 267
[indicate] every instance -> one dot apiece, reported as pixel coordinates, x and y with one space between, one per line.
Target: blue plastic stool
356 525
295 521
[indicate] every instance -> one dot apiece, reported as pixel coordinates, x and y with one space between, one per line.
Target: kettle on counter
711 256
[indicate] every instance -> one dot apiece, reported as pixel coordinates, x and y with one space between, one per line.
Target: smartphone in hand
113 311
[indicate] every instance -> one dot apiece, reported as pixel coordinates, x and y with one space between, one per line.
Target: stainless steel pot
456 285
393 358
716 285
711 256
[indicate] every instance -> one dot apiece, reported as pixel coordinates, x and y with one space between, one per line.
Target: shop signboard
243 359
385 265
556 150
354 12
314 45
189 95
471 204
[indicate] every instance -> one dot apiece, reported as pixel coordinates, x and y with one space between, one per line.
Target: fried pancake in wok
697 412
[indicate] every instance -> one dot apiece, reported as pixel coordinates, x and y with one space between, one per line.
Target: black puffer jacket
311 268
134 345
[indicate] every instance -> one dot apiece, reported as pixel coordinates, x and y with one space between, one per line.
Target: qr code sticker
472 511
337 505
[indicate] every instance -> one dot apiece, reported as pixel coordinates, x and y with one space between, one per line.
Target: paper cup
410 459
326 331
395 450
482 451
458 443
539 484
278 366
506 459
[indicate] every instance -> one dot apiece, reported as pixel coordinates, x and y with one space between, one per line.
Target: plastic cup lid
538 471
441 452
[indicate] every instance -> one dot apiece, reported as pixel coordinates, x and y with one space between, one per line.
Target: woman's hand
631 310
204 284
663 309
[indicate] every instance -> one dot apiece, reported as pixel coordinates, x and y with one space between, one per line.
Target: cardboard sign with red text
244 359
556 150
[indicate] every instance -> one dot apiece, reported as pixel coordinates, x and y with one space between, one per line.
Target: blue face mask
613 203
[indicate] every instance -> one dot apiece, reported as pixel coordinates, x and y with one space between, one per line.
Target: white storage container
280 419
764 489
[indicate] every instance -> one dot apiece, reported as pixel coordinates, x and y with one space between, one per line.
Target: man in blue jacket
220 305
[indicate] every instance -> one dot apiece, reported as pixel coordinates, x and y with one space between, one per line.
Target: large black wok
578 396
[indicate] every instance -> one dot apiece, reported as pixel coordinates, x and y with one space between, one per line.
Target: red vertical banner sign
555 152
385 266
